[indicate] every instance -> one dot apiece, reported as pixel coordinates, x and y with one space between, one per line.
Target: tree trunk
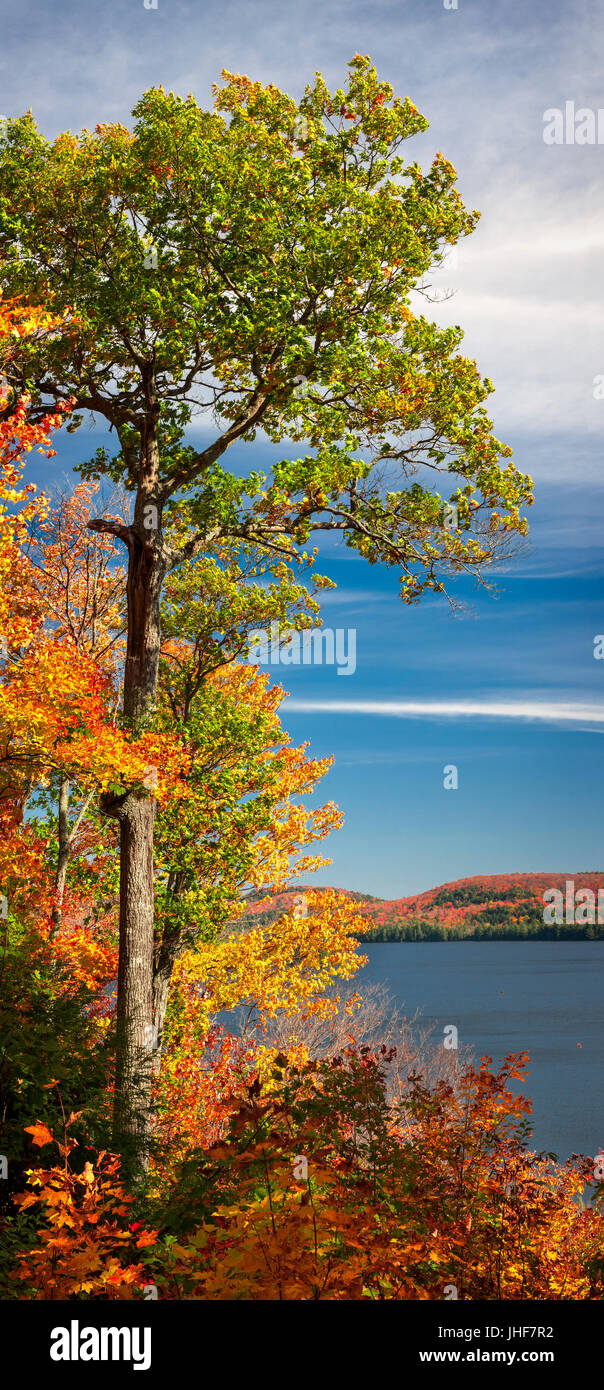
135 809
146 572
166 954
62 856
161 989
132 1105
136 813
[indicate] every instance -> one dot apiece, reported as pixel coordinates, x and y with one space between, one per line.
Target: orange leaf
40 1134
147 1238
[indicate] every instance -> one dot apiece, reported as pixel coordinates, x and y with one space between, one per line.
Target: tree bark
165 955
132 1103
161 988
62 856
145 578
135 812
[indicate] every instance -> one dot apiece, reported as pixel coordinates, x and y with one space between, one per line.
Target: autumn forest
195 281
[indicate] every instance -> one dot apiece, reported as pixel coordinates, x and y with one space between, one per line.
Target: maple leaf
40 1134
147 1238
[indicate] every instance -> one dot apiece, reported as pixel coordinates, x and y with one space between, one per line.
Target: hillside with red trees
485 906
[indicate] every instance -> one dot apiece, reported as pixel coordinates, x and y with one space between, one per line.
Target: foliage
318 1190
86 1249
260 260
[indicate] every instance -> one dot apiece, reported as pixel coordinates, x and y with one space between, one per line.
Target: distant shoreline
440 940
487 907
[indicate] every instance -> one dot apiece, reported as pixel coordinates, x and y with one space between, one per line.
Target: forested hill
487 907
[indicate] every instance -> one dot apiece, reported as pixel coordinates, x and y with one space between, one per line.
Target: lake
543 997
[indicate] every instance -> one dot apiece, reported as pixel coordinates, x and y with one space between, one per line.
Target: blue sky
528 292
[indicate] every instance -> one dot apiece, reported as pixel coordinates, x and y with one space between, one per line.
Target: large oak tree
254 264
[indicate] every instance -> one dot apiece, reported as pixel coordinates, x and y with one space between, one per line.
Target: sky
509 693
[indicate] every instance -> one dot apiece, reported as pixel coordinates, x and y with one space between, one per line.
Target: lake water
542 997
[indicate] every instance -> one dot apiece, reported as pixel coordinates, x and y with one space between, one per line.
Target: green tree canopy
255 264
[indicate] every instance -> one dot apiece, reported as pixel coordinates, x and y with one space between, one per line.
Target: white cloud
529 299
550 710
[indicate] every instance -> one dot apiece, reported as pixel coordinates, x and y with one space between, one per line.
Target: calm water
552 999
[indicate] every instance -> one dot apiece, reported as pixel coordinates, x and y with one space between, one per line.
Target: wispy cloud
551 711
